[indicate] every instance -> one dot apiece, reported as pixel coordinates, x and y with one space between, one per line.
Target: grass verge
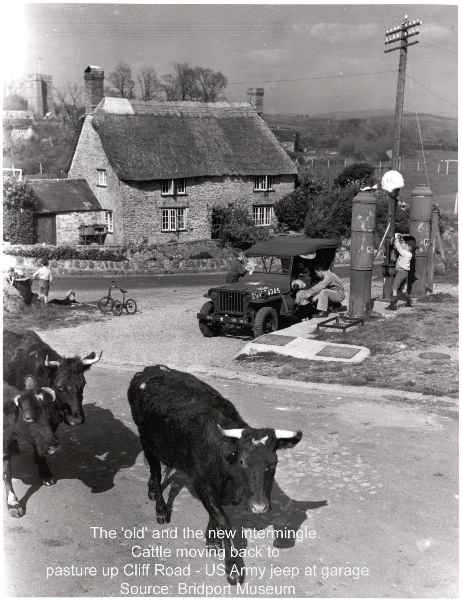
416 351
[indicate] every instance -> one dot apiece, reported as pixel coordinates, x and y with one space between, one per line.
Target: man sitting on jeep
329 288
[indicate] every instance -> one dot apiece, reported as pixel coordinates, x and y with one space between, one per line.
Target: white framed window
263 183
109 220
180 187
174 219
173 187
263 215
102 177
167 187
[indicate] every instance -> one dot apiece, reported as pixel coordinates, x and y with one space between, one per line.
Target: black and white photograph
230 300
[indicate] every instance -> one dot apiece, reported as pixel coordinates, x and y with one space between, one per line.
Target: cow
30 416
188 425
26 354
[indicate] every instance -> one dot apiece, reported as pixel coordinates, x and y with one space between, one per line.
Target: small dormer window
180 186
102 178
263 183
167 187
173 187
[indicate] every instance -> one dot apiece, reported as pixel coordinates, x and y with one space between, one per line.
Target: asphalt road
371 490
140 282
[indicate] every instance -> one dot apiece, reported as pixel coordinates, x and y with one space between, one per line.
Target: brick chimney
255 96
94 87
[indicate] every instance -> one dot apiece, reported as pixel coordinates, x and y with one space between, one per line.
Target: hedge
18 225
65 252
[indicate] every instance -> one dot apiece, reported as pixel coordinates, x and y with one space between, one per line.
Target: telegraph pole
400 37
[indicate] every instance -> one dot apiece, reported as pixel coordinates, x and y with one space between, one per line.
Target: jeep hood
250 283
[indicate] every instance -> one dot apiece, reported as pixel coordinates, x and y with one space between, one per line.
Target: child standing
43 274
402 268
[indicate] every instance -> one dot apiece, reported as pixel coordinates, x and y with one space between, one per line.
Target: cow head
255 459
68 380
35 407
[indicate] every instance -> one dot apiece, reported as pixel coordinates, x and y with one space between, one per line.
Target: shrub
65 252
293 208
19 204
331 214
232 226
357 174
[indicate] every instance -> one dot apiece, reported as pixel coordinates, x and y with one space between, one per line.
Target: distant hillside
352 114
368 114
366 133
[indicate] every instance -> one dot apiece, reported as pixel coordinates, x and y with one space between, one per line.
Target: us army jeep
264 298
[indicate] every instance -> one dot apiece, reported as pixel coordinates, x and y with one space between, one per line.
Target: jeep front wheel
266 321
207 330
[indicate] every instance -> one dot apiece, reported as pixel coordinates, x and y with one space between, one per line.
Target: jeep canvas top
285 245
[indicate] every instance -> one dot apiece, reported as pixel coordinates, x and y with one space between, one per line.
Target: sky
309 58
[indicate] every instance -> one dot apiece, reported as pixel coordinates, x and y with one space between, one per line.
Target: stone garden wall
192 257
169 258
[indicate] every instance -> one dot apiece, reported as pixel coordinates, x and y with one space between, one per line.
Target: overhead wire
331 76
427 43
419 130
431 91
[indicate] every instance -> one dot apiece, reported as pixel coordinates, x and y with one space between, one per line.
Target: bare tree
210 84
181 85
70 104
169 86
149 84
194 83
121 79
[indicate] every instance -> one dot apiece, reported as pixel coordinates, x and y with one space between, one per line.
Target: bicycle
128 303
108 304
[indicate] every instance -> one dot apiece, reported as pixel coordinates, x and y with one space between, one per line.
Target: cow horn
16 399
232 433
284 434
51 363
91 361
51 392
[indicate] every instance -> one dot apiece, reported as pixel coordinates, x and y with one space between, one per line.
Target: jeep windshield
270 264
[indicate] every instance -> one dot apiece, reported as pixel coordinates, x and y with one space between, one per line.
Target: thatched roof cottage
158 168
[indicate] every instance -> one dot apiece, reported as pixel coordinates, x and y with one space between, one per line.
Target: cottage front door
46 229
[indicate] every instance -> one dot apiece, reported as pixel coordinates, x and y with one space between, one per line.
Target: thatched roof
64 195
164 140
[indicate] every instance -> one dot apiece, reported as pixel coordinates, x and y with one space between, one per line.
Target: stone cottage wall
142 205
67 225
88 157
